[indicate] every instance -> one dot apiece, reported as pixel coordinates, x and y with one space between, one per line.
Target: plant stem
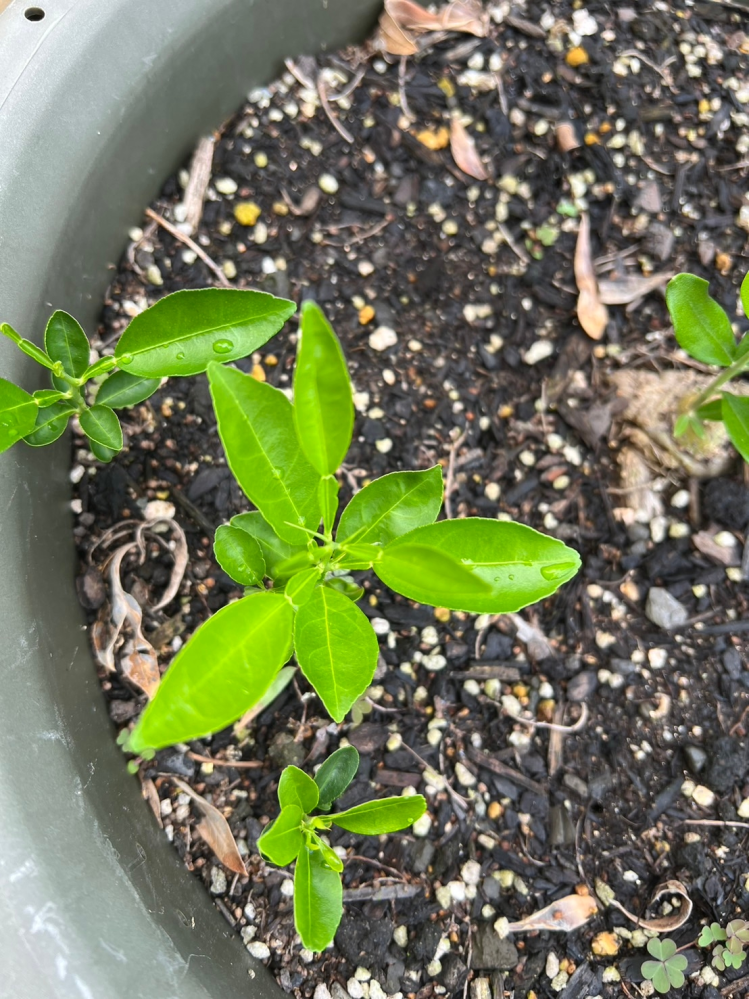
725 376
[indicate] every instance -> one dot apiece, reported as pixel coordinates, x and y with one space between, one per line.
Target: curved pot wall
99 101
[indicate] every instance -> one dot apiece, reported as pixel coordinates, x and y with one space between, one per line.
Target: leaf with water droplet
17 414
239 555
50 424
65 341
476 564
122 390
182 333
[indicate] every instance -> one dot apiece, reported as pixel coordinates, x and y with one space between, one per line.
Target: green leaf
392 505
745 306
275 550
283 839
346 586
223 671
104 454
101 367
701 326
329 501
712 410
65 341
239 555
50 424
18 412
37 354
384 816
7 330
318 900
323 405
476 564
335 648
658 976
329 856
182 333
735 412
358 556
682 424
256 426
101 425
711 934
335 775
301 586
122 389
297 788
46 397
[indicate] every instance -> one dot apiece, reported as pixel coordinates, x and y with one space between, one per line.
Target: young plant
666 972
298 835
704 331
729 943
300 596
179 335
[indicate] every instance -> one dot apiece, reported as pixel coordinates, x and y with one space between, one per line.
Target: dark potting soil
455 302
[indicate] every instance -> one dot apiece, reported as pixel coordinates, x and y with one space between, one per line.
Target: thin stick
502 95
450 481
341 95
323 94
197 184
565 729
402 88
191 244
239 764
515 247
715 822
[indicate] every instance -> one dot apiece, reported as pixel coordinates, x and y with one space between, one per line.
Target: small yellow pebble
446 86
271 360
577 57
495 811
605 944
505 412
591 139
438 139
723 262
261 161
258 372
280 208
366 315
247 212
442 614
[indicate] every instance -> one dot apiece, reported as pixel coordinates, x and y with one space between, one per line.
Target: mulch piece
455 303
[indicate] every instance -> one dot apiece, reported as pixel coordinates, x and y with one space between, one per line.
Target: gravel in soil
455 302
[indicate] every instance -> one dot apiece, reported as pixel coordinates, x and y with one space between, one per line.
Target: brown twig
402 88
553 727
197 184
239 764
325 104
515 247
715 822
191 244
450 480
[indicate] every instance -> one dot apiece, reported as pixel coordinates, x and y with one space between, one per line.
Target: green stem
725 376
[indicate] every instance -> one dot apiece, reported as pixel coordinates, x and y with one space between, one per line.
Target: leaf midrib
197 333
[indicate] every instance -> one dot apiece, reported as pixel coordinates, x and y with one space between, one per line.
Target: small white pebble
380 625
657 658
382 338
400 935
464 775
328 183
538 351
422 826
259 950
384 445
492 491
680 499
225 185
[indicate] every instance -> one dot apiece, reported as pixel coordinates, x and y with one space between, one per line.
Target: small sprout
714 933
666 972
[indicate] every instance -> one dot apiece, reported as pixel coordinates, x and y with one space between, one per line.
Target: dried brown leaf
591 312
215 830
395 39
631 288
149 792
464 16
403 21
664 924
564 916
464 151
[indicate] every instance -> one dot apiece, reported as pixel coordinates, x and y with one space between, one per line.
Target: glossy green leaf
297 788
182 333
301 586
101 367
50 424
335 648
65 341
329 501
46 397
239 555
735 412
328 854
256 426
701 326
346 586
384 816
7 330
392 505
225 668
275 550
318 900
476 564
335 775
283 839
297 563
37 354
323 405
359 556
101 425
122 389
18 412
712 410
102 453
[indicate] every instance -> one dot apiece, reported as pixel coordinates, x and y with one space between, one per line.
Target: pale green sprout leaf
335 775
18 412
386 815
283 839
391 506
318 900
701 326
297 788
100 425
239 555
122 390
65 341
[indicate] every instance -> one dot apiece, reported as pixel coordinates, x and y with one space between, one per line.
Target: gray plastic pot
99 101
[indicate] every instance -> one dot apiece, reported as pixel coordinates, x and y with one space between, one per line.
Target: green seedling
729 949
179 335
704 331
666 972
298 834
294 555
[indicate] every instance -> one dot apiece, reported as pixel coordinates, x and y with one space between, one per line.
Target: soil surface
455 301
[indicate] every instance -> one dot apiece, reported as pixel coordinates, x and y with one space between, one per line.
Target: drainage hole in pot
34 14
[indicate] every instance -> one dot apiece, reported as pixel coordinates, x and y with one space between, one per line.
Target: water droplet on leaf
125 359
180 355
553 572
223 346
